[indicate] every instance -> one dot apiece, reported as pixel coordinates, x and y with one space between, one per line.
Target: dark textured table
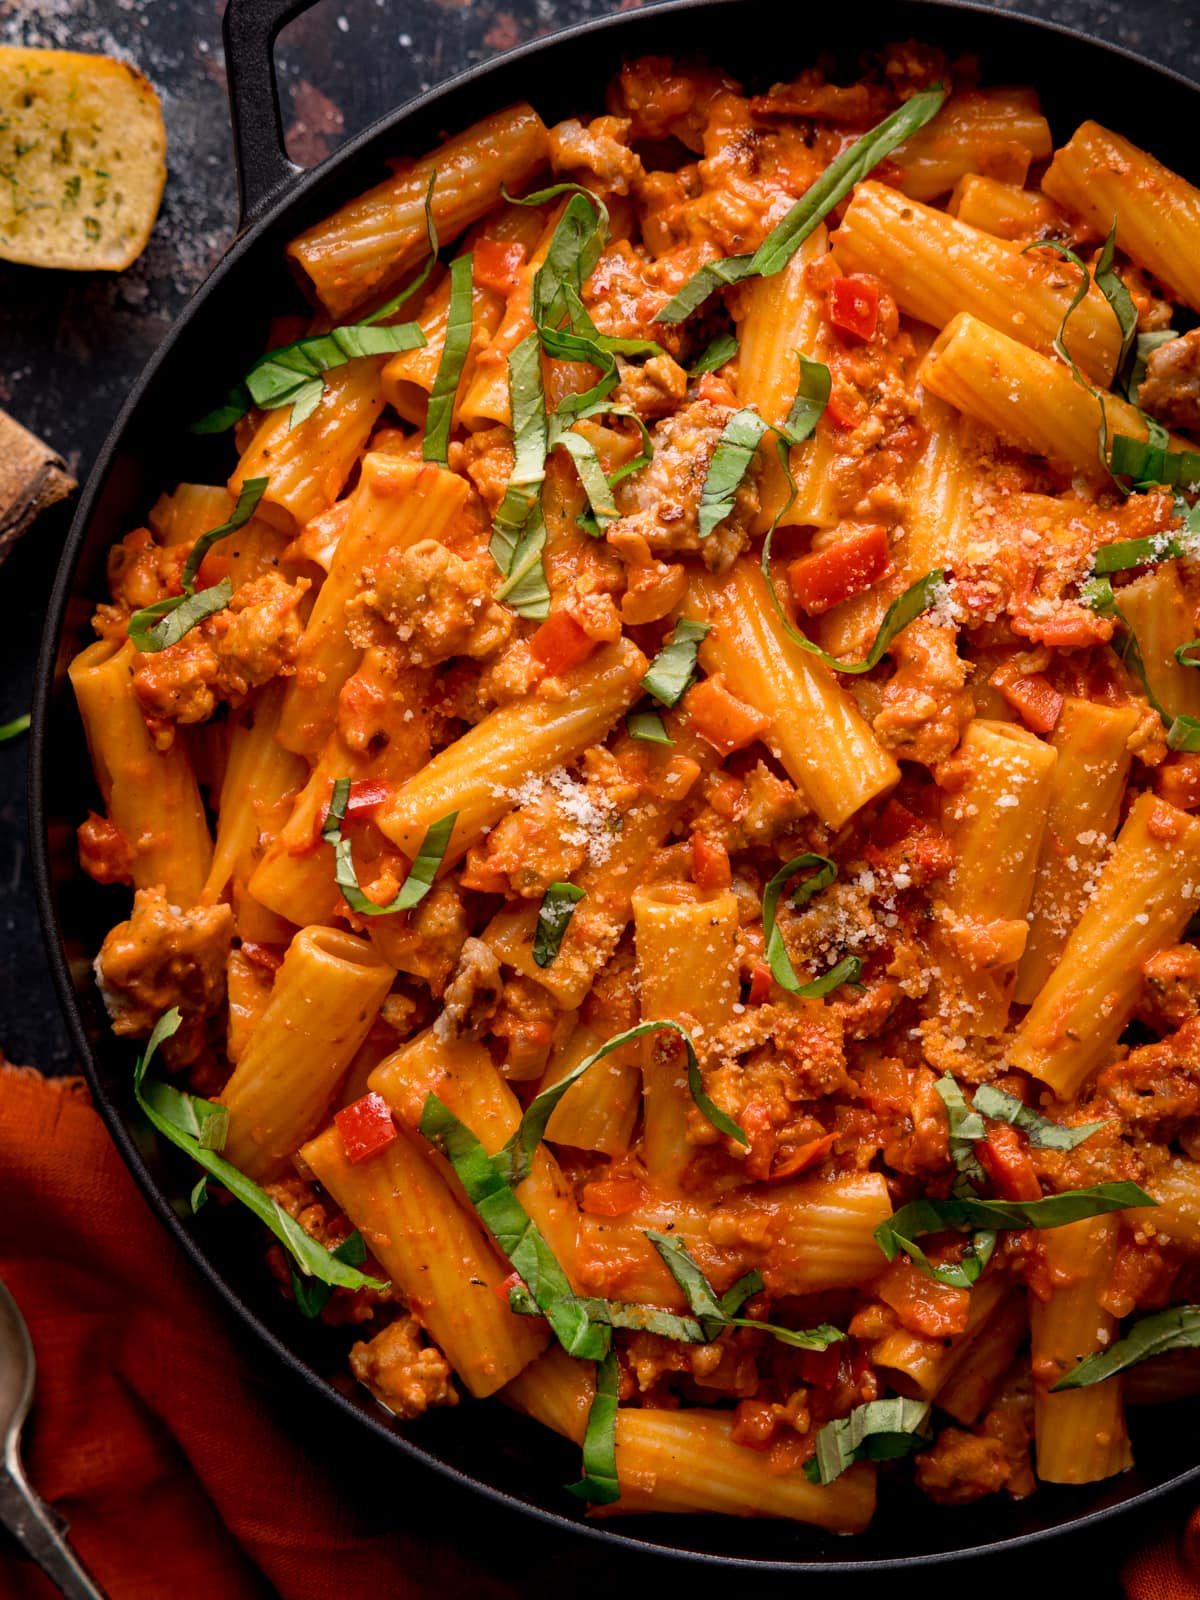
70 344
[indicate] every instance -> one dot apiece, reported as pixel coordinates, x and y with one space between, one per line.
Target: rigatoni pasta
664 851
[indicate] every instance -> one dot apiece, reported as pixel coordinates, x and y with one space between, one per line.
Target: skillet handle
261 159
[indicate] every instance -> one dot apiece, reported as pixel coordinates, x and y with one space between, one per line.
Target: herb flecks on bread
82 159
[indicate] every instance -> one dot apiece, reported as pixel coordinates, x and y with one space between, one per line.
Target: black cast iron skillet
485 1446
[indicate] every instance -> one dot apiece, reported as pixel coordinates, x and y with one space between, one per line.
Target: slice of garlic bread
82 159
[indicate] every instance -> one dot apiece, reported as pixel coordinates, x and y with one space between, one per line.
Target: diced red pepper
717 389
1178 781
845 408
365 798
802 1157
821 1367
760 984
854 306
710 862
366 1127
1034 698
560 643
498 264
612 1197
896 822
1005 1160
721 719
506 1285
267 956
829 576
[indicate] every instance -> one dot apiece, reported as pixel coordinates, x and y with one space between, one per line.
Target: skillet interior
151 450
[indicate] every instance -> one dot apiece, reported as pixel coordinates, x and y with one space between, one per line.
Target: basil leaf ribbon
518 530
847 970
1043 1134
158 626
420 875
515 1159
1177 1328
1149 462
1077 299
312 1298
197 1127
459 323
714 1313
898 1233
715 354
490 1187
648 726
554 917
293 374
1126 553
728 465
834 184
881 1430
671 673
19 725
599 1485
966 1129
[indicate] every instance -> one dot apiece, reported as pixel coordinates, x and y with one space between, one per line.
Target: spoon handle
34 1526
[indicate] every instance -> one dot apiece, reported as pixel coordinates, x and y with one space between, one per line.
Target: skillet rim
265 218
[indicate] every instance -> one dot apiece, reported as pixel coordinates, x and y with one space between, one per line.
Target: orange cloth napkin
150 1433
1168 1568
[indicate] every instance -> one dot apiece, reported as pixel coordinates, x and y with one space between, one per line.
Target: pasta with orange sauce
687 873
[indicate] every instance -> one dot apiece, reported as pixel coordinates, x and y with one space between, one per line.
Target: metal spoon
23 1512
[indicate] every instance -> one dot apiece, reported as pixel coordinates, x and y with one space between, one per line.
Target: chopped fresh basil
19 725
881 1430
898 1233
293 374
554 915
728 465
491 1190
715 354
1184 734
312 1298
596 486
807 409
454 355
599 1485
518 531
420 876
1148 463
199 1194
966 1128
177 1115
834 184
847 970
918 598
1177 1328
670 673
647 726
714 1314
515 1159
1043 1134
1112 286
158 626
